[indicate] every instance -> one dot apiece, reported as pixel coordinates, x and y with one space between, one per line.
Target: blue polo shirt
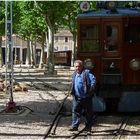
79 86
80 83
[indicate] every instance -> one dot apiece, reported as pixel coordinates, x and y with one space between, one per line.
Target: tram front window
132 33
112 34
89 38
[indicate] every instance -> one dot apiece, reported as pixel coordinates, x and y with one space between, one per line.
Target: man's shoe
88 129
73 129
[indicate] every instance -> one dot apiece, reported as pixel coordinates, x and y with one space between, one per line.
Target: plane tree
53 12
31 27
72 9
40 20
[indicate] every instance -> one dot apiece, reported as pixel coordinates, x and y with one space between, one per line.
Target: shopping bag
98 104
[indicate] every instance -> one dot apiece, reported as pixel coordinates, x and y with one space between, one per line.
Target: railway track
119 131
59 114
39 82
82 133
45 86
104 127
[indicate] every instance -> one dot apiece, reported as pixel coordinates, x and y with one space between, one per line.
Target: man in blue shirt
83 85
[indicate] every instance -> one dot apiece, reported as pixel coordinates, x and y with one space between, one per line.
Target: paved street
38 106
25 124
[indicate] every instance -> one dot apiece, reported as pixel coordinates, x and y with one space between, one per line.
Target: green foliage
72 9
31 18
52 11
2 18
31 24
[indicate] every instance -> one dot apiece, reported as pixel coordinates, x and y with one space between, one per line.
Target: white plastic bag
98 104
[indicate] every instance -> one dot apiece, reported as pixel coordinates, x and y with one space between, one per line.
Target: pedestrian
83 85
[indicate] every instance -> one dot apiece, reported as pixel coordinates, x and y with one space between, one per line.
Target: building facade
63 41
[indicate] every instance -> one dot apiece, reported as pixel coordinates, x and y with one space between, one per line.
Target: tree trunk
73 57
42 61
34 54
50 53
28 59
31 53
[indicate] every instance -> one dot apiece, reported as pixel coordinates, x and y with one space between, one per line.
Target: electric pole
11 106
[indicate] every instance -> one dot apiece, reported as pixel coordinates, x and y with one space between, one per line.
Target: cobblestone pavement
38 107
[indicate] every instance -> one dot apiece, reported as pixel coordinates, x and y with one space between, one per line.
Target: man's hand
91 90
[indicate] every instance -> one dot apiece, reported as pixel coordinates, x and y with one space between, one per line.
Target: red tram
109 43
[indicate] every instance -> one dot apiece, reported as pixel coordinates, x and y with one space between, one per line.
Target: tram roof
107 13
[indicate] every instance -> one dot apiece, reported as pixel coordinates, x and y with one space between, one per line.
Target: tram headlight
135 64
88 64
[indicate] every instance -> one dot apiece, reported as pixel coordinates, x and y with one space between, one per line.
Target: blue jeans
80 106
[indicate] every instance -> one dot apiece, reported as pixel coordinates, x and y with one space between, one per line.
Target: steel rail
55 118
118 133
77 134
58 113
